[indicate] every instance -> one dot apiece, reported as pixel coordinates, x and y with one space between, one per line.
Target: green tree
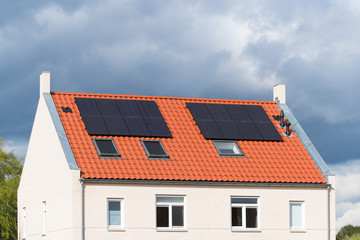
10 171
348 232
355 236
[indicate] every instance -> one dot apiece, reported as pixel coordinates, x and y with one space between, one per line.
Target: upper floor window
244 213
297 220
227 148
170 212
115 214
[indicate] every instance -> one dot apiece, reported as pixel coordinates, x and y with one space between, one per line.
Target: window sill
256 230
116 229
171 230
297 230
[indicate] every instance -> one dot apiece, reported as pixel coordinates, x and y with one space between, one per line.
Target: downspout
328 212
82 212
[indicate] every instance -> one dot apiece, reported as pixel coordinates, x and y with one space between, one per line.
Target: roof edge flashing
60 132
305 140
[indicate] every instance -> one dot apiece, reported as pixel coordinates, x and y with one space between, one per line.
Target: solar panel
249 131
91 116
153 118
228 129
157 127
199 111
112 117
209 129
122 117
233 122
268 131
257 113
218 112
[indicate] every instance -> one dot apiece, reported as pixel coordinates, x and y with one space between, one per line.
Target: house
106 166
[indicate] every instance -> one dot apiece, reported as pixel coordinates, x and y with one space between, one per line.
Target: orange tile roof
192 158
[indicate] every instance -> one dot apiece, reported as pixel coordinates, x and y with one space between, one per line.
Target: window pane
236 216
106 146
178 216
295 215
154 148
226 147
162 216
251 217
244 200
114 213
169 199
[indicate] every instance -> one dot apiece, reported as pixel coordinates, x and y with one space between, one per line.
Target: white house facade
177 179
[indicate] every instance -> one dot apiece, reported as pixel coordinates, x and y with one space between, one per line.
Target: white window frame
44 218
24 224
245 206
170 205
122 219
302 227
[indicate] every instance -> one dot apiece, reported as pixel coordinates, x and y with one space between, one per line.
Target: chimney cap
279 93
44 82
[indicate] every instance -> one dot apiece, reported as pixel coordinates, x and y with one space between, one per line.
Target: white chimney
279 93
44 82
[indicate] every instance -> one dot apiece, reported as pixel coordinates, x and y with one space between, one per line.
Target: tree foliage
349 232
10 171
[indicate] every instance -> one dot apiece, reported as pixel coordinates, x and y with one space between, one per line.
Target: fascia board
305 140
60 132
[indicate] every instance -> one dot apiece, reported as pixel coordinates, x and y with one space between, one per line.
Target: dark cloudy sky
206 48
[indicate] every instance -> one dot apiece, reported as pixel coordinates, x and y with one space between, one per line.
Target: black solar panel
228 129
122 117
112 117
268 131
238 113
249 131
257 113
91 116
233 122
218 112
209 129
199 111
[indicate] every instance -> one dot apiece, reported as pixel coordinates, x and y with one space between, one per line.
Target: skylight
227 148
154 149
106 148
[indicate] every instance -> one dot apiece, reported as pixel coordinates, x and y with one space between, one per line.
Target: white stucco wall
47 177
208 214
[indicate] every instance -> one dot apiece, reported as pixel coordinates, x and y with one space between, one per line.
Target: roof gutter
172 182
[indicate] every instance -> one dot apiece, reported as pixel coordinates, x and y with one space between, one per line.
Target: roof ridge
162 97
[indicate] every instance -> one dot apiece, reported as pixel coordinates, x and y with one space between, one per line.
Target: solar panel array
233 122
122 117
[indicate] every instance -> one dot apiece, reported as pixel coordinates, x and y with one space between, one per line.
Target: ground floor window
170 212
115 214
244 213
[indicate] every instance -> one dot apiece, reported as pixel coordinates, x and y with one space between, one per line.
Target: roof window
154 149
106 148
227 148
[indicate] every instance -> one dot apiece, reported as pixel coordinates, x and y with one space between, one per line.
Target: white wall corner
44 82
279 93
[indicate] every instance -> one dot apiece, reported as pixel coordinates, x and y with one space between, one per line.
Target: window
115 214
154 149
170 212
227 148
106 148
24 224
44 218
297 222
244 213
